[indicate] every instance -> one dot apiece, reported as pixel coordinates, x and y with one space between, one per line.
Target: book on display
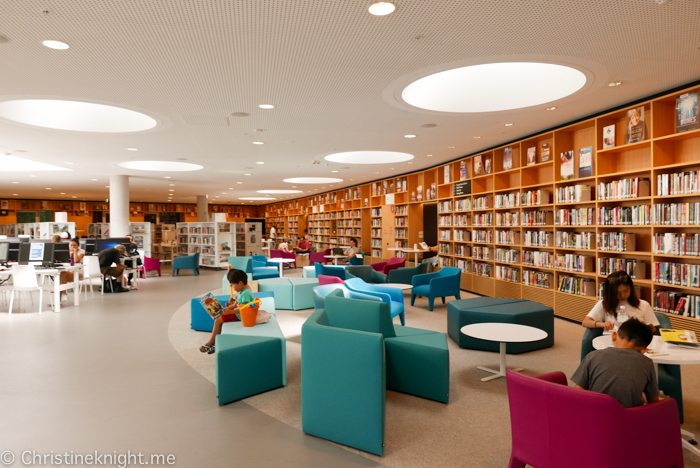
687 112
508 158
567 165
487 165
585 162
545 152
463 170
478 167
447 174
680 338
635 125
532 156
609 136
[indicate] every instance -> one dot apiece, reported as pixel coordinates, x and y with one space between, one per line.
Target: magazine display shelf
214 241
98 230
529 247
142 237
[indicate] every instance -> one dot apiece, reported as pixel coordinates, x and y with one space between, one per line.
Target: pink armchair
319 257
150 264
393 263
554 425
291 256
325 279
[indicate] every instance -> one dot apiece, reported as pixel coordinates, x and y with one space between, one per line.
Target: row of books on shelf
573 194
505 273
571 240
507 219
638 215
677 274
678 183
574 262
677 214
507 200
538 259
481 253
507 255
535 197
671 243
671 302
635 268
574 217
625 188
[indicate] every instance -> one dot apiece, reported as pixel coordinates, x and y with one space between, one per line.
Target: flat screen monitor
13 254
36 251
103 244
23 257
61 252
88 245
4 252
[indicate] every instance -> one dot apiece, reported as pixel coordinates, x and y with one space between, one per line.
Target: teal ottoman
309 272
282 289
303 292
499 310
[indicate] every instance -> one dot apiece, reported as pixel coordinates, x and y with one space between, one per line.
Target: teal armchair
186 263
406 274
357 261
439 284
337 271
393 297
367 273
253 267
352 354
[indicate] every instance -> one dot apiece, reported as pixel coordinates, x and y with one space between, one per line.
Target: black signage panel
462 188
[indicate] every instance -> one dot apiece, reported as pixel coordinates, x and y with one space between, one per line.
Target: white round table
502 333
280 263
335 258
671 355
400 286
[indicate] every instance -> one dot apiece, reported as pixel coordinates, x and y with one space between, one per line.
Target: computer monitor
88 245
24 238
13 254
61 252
4 252
36 253
103 244
23 257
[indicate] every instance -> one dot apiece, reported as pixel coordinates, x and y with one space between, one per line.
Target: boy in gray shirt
622 372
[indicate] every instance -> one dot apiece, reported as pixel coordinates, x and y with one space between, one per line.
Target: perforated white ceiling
330 68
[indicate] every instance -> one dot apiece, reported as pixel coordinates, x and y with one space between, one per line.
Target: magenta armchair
292 256
325 279
150 264
394 263
554 425
319 257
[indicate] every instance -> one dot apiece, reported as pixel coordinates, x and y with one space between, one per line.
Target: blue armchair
186 263
669 375
367 273
439 284
393 297
357 261
406 274
332 271
352 354
253 267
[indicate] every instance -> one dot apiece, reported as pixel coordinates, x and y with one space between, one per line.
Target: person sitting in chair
304 246
113 256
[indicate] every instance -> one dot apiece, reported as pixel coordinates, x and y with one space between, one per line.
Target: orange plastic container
249 316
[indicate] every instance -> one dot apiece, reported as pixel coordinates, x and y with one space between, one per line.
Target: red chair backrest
325 279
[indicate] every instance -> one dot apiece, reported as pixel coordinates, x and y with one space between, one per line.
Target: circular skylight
279 191
163 166
369 157
257 198
312 180
75 116
493 87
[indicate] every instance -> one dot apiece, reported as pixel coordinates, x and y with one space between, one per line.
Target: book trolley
547 218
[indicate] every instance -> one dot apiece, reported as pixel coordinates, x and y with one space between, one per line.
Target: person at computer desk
133 251
350 252
76 255
113 255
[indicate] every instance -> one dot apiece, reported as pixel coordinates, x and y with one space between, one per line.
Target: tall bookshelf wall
521 231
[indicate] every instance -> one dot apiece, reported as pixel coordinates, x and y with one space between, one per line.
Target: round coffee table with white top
502 333
401 286
335 258
280 263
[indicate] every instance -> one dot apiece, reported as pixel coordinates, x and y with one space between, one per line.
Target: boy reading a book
239 282
622 372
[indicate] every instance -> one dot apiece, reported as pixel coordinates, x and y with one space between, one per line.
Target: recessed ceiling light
312 180
493 87
410 162
551 108
32 175
382 8
171 190
258 143
409 136
230 188
48 188
266 106
70 163
167 177
169 166
334 171
58 45
477 137
93 179
369 157
615 83
106 186
280 191
16 164
239 182
132 149
63 193
16 194
430 155
246 174
74 196
217 196
15 182
172 185
509 125
260 162
257 198
75 116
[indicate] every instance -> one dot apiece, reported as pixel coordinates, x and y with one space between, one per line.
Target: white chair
24 280
91 270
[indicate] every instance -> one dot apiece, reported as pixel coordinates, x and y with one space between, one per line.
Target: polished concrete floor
103 376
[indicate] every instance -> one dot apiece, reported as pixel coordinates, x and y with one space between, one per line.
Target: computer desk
55 274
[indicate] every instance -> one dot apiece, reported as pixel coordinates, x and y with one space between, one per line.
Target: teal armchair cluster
352 355
439 284
405 275
254 267
367 273
186 263
337 271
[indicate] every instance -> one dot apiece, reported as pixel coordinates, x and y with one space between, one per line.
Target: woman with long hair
619 303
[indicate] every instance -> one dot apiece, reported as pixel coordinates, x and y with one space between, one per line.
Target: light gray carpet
472 430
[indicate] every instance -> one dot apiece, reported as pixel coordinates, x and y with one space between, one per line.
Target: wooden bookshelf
472 224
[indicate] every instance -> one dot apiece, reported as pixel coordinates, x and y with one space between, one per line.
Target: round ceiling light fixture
280 191
163 166
266 106
369 157
58 45
75 116
257 198
312 180
493 87
382 8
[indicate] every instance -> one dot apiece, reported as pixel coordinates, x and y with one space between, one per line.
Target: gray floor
104 376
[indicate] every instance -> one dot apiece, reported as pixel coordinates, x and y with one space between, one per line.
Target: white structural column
202 209
118 206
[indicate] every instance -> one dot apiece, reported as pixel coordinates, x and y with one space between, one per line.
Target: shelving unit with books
630 190
98 230
142 237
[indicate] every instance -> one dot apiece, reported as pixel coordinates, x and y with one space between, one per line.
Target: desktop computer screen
103 244
61 252
36 251
4 252
13 254
88 245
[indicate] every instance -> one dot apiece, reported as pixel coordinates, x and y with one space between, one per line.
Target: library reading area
350 234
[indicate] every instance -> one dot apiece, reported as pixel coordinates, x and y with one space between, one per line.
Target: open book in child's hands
212 305
423 246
